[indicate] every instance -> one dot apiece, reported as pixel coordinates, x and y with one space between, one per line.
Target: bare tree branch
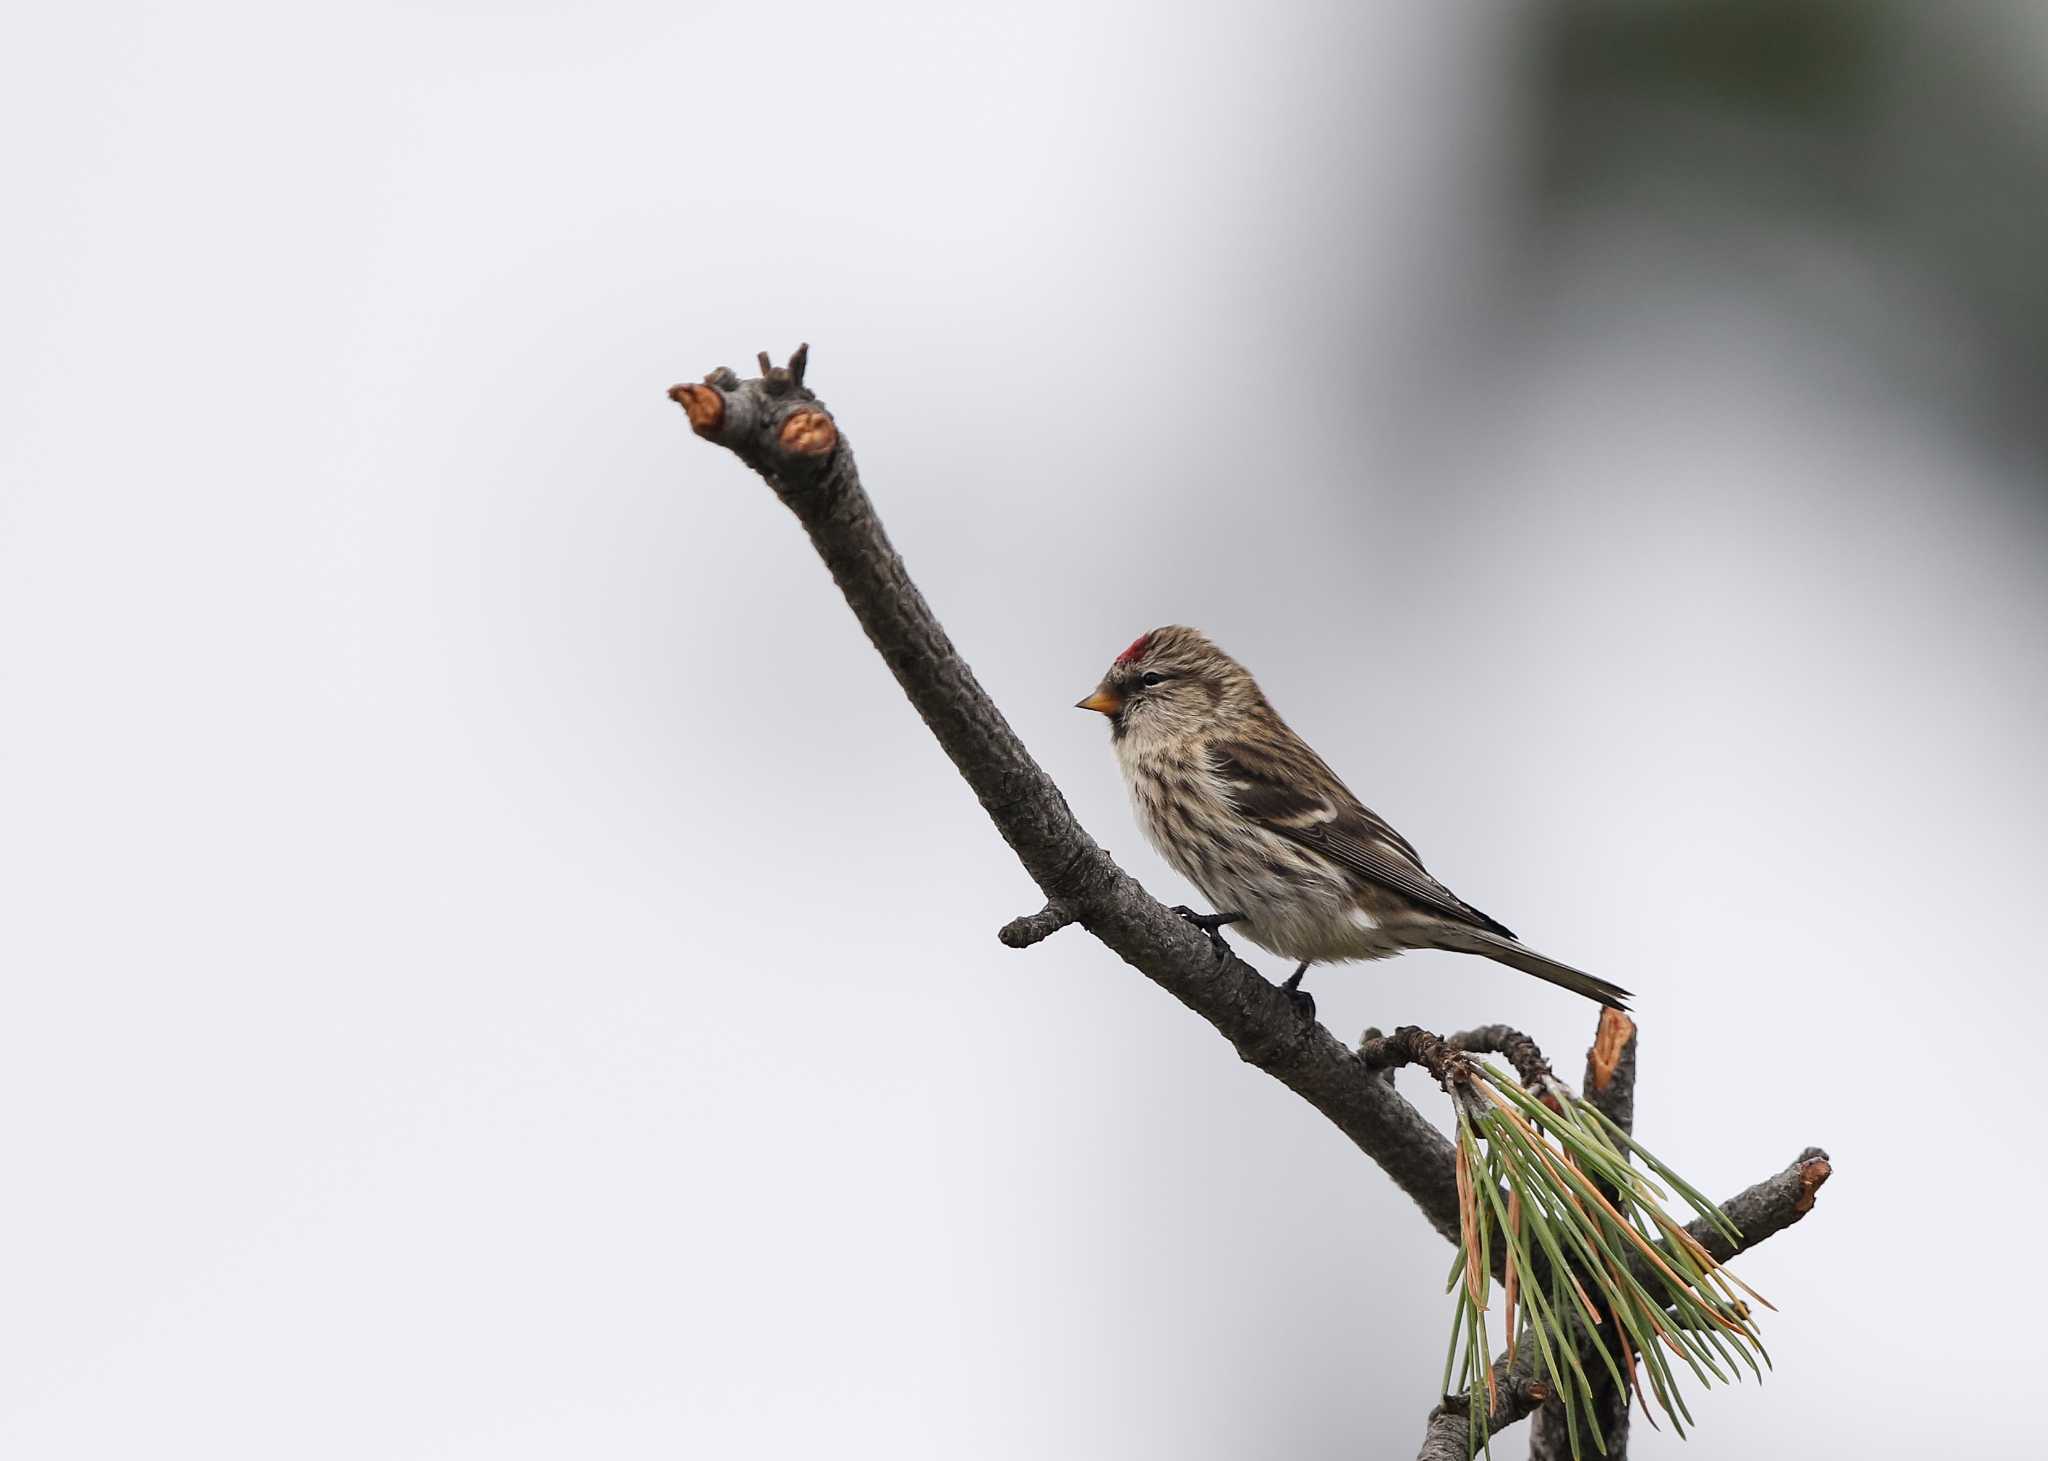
781 430
777 425
1767 1208
1521 1052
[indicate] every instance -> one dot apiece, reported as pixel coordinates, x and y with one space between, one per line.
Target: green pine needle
1555 1185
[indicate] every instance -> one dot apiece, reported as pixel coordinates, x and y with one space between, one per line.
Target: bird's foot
1211 924
1304 1002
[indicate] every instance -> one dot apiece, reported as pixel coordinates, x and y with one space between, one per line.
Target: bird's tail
1467 940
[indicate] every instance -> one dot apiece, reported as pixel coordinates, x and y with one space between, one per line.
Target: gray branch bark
778 426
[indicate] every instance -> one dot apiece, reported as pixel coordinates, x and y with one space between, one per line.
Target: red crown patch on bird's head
1137 648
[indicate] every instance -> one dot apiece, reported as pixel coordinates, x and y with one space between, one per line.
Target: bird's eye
1153 678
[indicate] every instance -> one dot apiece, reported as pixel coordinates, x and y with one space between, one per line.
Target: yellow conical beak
1101 702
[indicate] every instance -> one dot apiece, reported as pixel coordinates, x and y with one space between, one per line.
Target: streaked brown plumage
1247 812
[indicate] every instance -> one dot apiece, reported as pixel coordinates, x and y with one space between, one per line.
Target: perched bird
1244 810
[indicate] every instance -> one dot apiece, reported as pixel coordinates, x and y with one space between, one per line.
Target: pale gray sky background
494 969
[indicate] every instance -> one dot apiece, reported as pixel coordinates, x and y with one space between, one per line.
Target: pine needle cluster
1595 1272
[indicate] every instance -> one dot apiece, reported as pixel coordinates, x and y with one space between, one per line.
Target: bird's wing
1289 791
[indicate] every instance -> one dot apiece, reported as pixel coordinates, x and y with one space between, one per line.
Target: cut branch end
1609 1042
1812 1173
703 405
808 434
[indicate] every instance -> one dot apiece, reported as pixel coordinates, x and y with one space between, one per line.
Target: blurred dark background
1862 167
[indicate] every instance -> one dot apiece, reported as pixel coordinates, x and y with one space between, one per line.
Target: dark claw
1211 924
1304 1002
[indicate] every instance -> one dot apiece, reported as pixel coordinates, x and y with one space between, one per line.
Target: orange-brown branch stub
1616 1029
809 434
704 406
1811 1175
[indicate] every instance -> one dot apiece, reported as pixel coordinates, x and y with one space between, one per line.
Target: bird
1240 806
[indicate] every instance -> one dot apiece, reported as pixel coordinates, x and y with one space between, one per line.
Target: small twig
1767 1208
1022 933
1521 1052
1451 1068
1368 1040
1413 1045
